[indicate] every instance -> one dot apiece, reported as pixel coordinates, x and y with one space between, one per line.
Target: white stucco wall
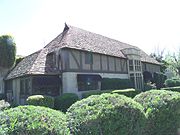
69 80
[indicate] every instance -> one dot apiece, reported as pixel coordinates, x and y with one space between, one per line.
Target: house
76 61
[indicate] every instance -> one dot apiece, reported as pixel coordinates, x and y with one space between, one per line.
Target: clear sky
147 24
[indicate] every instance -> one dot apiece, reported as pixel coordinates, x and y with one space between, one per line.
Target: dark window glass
88 82
24 86
46 85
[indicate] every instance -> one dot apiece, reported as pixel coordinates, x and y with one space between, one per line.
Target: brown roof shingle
76 38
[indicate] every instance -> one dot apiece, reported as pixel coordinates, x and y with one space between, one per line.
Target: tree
18 59
159 56
7 51
173 61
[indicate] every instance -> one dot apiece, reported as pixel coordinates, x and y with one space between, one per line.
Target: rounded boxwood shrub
162 109
41 100
33 120
106 114
64 101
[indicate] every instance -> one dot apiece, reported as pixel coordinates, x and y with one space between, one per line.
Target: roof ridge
71 27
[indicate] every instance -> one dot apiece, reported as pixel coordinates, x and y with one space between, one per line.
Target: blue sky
146 24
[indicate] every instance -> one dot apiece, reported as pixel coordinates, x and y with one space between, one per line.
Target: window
131 65
88 82
137 64
46 85
24 87
88 58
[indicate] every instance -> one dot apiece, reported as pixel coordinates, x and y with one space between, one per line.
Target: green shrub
127 92
115 83
65 101
172 82
33 120
177 89
4 105
98 92
159 79
106 114
162 109
40 100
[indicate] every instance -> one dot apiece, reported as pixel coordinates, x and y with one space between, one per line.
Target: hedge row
62 102
172 82
177 89
162 109
101 114
33 120
115 83
156 112
41 100
127 92
106 114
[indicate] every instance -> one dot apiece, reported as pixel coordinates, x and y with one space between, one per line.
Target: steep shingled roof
75 38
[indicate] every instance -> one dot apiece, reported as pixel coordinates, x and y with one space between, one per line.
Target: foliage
127 92
159 79
64 101
106 114
18 59
173 61
162 110
115 83
4 105
158 55
177 89
97 92
172 82
33 120
41 100
7 51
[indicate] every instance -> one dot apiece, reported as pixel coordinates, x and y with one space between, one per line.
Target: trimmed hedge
98 92
172 82
177 89
4 105
115 83
127 92
162 109
106 114
41 100
64 101
33 120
